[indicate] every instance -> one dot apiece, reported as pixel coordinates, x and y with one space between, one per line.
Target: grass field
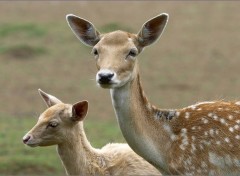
197 58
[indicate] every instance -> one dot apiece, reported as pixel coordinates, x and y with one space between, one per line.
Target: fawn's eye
132 53
95 52
52 124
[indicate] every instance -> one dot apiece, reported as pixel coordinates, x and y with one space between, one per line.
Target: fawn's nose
26 139
105 77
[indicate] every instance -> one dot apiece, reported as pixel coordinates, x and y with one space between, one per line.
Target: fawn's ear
79 110
83 29
49 99
152 30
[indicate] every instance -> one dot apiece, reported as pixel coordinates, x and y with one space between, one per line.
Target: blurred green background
196 59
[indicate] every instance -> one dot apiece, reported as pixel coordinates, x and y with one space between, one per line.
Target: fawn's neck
76 152
137 120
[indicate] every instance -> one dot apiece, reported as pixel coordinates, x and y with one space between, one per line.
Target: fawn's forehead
52 111
118 38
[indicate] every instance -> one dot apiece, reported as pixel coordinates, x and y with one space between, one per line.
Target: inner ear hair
74 116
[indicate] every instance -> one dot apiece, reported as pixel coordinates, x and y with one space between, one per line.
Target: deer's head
56 123
116 52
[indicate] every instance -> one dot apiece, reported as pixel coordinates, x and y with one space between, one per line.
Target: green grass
22 40
28 29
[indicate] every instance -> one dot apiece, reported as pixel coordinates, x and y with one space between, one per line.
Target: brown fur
76 153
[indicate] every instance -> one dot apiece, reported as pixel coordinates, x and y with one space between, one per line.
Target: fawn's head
116 52
56 123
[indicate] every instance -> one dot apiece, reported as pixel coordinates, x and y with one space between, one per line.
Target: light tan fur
77 154
201 139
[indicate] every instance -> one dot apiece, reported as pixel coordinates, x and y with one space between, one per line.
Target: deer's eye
52 124
95 52
132 53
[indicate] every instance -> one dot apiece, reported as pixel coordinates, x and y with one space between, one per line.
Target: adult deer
197 140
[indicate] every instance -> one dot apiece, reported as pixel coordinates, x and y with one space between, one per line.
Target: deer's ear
79 110
49 99
83 29
152 30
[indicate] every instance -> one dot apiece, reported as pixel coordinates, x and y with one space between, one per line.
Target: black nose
26 139
105 78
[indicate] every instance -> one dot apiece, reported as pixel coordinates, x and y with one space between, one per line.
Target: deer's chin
112 85
32 144
108 86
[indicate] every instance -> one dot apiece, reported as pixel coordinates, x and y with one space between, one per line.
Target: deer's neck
138 122
76 152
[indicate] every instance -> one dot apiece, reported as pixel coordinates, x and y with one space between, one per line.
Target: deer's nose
26 139
105 77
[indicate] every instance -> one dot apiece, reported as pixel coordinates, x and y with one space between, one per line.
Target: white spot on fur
211 131
193 128
184 138
210 114
236 127
168 129
207 142
227 139
238 121
237 136
205 121
215 117
218 142
193 138
193 148
237 103
184 130
185 141
182 147
230 117
222 121
173 137
177 113
231 129
187 115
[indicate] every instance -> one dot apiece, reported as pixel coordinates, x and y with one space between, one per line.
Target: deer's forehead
53 111
117 38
